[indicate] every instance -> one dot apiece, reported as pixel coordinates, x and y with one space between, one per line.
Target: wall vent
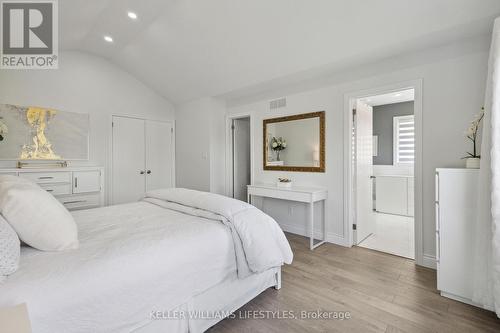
277 103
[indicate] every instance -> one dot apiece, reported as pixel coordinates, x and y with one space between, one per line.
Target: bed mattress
133 259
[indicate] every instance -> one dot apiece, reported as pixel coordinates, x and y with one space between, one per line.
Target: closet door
159 155
128 175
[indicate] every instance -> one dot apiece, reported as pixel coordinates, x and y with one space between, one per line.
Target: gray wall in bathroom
383 127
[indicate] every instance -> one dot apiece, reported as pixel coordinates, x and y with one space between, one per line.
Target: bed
177 261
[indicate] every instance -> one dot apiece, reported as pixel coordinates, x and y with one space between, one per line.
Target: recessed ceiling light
398 95
132 15
108 39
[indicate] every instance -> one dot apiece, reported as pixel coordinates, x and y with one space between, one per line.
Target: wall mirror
295 143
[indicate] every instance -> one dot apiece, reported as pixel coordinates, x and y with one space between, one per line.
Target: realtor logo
29 35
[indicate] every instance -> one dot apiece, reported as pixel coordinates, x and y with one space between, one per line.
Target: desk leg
324 220
311 225
312 245
248 198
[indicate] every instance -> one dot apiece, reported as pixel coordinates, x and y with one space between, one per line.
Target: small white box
284 184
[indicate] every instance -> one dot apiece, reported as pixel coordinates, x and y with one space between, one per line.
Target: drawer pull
76 182
49 190
45 177
74 202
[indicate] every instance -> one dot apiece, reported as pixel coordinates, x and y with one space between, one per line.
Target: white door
159 155
128 174
364 216
241 158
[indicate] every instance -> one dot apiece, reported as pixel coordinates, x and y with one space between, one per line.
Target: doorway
240 157
383 165
142 157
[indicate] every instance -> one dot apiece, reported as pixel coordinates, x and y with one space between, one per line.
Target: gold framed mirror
295 143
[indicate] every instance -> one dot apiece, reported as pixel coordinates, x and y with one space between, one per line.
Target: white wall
200 145
86 84
453 91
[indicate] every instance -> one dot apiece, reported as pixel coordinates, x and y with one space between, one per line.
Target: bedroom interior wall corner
85 83
200 145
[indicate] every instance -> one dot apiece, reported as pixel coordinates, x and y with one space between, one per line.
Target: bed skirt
208 308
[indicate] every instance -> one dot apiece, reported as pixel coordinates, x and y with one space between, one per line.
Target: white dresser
75 187
456 201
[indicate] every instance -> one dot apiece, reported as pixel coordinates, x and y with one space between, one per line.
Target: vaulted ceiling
187 49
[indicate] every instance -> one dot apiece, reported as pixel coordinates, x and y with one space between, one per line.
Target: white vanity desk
308 195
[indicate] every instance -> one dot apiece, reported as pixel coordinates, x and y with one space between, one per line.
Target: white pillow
10 248
38 218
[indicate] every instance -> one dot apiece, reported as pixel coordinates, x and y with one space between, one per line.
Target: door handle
149 172
141 172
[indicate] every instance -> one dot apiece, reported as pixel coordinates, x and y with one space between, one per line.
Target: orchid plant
471 134
3 129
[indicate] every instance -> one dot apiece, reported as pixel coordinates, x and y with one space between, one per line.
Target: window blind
404 140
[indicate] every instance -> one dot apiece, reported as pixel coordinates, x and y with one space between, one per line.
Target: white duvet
259 242
134 259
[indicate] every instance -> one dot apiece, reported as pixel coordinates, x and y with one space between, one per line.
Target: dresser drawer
74 202
57 189
47 177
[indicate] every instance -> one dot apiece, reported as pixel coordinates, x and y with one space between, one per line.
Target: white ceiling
390 98
187 49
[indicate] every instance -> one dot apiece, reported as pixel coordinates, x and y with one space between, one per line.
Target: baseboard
466 301
302 231
429 261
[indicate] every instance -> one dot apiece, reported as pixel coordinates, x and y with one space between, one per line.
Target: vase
278 155
472 163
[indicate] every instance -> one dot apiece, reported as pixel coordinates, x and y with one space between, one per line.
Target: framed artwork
38 133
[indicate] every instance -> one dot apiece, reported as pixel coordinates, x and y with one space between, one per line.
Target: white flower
3 128
284 144
275 144
469 131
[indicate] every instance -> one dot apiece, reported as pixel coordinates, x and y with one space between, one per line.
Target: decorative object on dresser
308 195
3 129
38 133
37 165
305 143
456 210
473 160
284 182
75 187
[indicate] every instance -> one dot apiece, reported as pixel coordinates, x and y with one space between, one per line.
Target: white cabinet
142 158
86 181
456 200
75 188
394 194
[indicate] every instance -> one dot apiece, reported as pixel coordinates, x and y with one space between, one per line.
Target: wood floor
382 293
